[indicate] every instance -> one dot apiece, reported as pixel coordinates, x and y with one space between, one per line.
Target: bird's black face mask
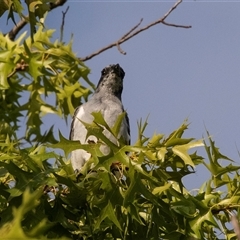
112 80
115 68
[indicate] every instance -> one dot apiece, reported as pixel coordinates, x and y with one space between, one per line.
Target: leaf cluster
134 192
46 73
36 11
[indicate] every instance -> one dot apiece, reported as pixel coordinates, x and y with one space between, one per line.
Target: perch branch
17 28
20 25
125 35
133 32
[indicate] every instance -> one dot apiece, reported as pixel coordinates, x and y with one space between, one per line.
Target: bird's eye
104 71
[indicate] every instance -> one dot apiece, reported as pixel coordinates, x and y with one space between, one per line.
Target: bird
106 99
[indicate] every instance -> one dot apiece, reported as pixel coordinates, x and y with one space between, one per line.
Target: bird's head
111 81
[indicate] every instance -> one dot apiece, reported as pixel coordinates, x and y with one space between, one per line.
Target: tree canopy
41 197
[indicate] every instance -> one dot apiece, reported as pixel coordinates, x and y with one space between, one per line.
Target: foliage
145 199
35 9
50 71
135 192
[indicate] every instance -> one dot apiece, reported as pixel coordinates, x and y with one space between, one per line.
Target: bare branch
135 27
20 25
175 25
133 33
125 35
120 49
17 28
171 9
63 22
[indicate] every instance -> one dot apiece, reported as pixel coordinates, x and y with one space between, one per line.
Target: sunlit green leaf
159 190
3 6
134 192
182 151
155 140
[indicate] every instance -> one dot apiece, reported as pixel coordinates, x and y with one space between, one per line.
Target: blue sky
171 73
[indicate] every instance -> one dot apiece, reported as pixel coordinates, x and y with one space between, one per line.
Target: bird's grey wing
78 130
127 134
73 123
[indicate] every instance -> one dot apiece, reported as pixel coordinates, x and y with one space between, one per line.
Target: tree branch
125 35
175 25
133 33
17 28
63 22
22 23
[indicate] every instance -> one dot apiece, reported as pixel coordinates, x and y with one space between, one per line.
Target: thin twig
125 35
131 30
175 25
22 23
63 22
133 33
119 49
171 9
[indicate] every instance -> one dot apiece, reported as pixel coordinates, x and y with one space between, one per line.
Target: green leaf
178 141
107 212
4 6
182 151
39 158
96 129
33 5
185 208
6 67
196 223
116 128
68 145
177 134
22 176
160 190
141 138
161 153
17 7
155 141
13 229
99 119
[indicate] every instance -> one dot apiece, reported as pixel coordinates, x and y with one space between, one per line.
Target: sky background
171 73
